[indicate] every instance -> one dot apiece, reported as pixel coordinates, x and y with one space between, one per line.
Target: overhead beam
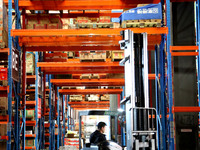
89 91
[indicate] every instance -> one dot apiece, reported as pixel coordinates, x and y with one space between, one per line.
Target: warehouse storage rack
52 68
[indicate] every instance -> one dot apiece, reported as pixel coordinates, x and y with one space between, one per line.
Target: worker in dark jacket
98 136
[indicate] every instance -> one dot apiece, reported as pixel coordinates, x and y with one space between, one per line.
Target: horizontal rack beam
185 109
89 91
83 32
80 4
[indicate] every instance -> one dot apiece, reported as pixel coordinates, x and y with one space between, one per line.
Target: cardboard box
30 142
75 98
104 19
3 130
30 114
30 63
3 103
117 55
3 73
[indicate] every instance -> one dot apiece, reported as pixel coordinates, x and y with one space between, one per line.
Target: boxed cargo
3 129
117 55
30 142
93 97
92 55
105 97
104 19
29 132
75 98
29 114
115 75
86 76
30 63
3 103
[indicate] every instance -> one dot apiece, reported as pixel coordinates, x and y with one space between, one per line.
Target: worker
98 136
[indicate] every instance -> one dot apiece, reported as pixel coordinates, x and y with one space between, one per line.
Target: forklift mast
141 132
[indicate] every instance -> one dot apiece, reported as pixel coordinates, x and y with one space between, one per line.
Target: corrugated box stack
93 56
3 25
30 63
75 98
117 55
3 105
56 57
43 21
105 97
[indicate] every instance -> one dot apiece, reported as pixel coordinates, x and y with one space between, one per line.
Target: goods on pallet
116 22
30 114
71 143
115 75
30 142
3 25
75 98
95 76
93 56
117 55
105 97
29 132
56 57
3 105
3 130
93 97
71 54
101 22
145 16
31 97
43 21
85 76
30 63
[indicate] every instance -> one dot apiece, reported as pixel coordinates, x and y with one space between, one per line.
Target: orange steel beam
83 32
88 82
103 108
185 109
90 106
89 103
71 48
90 91
184 48
80 4
175 50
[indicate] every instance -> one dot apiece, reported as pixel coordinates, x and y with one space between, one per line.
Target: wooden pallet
141 23
94 25
92 60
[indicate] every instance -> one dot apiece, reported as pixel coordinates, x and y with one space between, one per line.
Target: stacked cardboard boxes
93 97
43 21
30 142
93 56
56 57
117 55
3 131
3 105
75 98
30 63
105 97
3 25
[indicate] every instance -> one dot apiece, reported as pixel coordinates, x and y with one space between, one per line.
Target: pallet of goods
30 63
92 56
117 55
56 57
101 22
142 16
73 98
105 97
86 76
3 25
3 105
43 21
93 97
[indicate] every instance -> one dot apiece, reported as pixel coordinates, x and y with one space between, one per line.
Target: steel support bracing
58 118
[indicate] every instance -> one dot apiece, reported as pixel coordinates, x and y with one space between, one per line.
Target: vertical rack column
9 125
36 99
171 131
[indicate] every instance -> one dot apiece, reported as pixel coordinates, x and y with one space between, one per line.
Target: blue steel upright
198 57
36 99
64 110
171 133
50 112
58 118
9 75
